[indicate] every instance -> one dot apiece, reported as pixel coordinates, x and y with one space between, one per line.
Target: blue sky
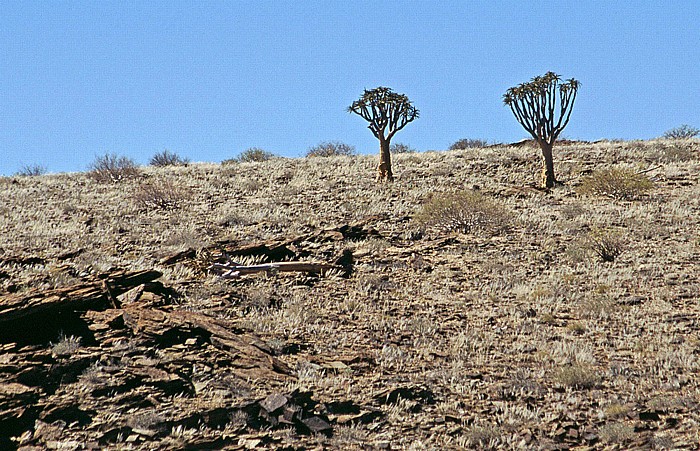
209 79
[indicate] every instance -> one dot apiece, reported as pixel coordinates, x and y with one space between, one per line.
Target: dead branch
234 270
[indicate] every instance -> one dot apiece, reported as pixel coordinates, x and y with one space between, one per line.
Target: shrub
113 168
618 183
31 170
577 375
683 132
160 195
66 345
606 244
254 154
401 148
464 211
467 143
331 149
167 158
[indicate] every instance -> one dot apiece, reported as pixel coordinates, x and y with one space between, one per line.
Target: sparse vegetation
682 132
464 211
167 158
435 340
618 183
330 149
468 143
113 168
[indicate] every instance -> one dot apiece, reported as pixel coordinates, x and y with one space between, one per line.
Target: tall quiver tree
387 112
535 106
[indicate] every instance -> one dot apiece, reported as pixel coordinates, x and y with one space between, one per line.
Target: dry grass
519 340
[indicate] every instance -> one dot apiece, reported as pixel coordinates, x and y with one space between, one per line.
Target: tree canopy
386 111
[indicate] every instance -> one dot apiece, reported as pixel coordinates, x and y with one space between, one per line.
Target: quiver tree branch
387 112
534 105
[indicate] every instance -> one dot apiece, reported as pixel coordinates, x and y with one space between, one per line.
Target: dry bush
464 211
331 149
31 170
685 131
401 148
66 345
113 168
468 144
577 375
254 154
618 183
167 158
607 244
160 195
615 433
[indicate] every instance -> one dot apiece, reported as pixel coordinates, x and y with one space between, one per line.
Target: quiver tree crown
535 105
386 111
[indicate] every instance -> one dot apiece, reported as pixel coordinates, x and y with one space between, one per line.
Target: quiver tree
387 112
535 106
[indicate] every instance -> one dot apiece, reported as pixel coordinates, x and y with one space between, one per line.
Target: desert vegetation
466 309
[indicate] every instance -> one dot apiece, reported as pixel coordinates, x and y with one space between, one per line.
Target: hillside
511 335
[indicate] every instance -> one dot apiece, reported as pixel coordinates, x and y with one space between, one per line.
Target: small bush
66 345
683 132
331 149
468 144
254 154
401 148
618 183
167 158
31 170
607 244
615 433
577 375
464 211
160 195
113 168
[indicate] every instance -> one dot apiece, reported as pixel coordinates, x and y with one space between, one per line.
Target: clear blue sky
208 79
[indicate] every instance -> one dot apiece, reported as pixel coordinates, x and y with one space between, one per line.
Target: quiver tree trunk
384 173
548 178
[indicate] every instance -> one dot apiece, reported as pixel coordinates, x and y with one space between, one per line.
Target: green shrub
167 158
467 143
683 132
113 168
331 149
464 211
618 183
31 170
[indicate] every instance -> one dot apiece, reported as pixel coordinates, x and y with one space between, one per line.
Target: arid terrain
562 319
